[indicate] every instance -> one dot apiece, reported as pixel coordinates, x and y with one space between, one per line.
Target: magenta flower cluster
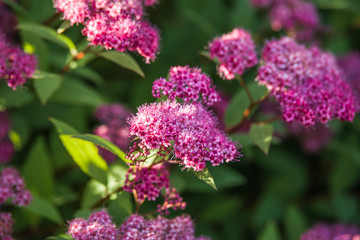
113 127
98 226
306 82
298 16
15 65
338 231
6 226
114 24
7 21
235 51
6 146
188 84
350 64
189 131
12 186
138 228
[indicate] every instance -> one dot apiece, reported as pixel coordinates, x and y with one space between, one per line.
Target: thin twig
103 200
243 85
270 120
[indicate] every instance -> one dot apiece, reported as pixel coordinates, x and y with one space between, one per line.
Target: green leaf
14 99
38 172
84 153
60 237
77 93
205 176
261 134
49 34
97 140
121 207
46 84
16 7
123 60
270 232
243 139
93 192
66 24
295 223
45 209
87 73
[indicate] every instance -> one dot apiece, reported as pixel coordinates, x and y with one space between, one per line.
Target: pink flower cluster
113 127
332 232
188 84
306 82
114 24
15 65
98 226
7 21
6 146
187 130
138 228
350 64
6 226
298 15
12 186
235 51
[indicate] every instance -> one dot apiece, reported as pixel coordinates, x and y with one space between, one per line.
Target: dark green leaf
45 209
88 73
295 223
60 237
270 232
123 60
205 176
14 99
261 134
93 192
121 207
46 84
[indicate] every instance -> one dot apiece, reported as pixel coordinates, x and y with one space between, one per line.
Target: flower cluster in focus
306 82
188 84
332 232
6 146
114 24
113 128
235 52
189 131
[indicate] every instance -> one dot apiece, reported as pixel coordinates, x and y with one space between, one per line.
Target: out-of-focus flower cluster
6 226
189 131
306 82
114 24
298 16
235 51
12 186
7 21
188 84
350 64
6 146
113 127
338 231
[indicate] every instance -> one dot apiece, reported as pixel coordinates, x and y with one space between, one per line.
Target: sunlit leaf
124 60
205 176
261 134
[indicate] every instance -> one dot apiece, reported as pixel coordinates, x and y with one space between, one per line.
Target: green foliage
46 84
123 60
270 232
205 176
261 135
44 208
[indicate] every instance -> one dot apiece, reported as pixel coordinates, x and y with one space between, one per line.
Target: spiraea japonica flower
6 146
189 131
7 21
114 24
235 52
6 226
338 231
306 82
188 84
113 127
98 226
137 227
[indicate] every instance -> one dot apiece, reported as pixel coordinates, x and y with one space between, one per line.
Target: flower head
6 226
332 232
235 52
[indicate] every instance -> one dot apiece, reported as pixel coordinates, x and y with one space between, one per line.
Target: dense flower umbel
15 65
187 130
138 228
350 64
332 232
188 84
13 186
113 127
235 52
295 15
98 226
6 146
306 82
6 226
114 24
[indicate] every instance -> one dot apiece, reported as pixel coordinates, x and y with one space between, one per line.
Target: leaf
88 73
99 141
49 34
84 153
121 207
60 237
295 223
66 24
261 134
46 84
45 209
93 192
14 99
77 93
205 176
270 232
38 172
123 60
16 7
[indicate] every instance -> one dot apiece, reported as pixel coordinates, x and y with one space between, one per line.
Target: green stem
243 85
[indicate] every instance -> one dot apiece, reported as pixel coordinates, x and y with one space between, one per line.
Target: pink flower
6 226
235 52
306 82
332 232
188 84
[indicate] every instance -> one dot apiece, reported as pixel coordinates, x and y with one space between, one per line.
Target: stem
76 57
102 201
270 120
243 85
51 19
